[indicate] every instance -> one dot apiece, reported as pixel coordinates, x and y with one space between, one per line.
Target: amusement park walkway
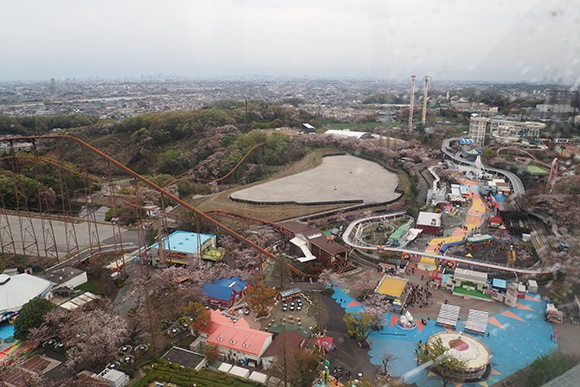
517 336
472 221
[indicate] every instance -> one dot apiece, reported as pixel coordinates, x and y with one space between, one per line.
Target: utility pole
247 116
161 251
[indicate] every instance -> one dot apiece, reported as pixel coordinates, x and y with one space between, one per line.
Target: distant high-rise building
478 128
559 104
52 84
484 130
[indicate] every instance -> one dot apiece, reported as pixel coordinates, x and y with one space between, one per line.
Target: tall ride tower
410 128
425 91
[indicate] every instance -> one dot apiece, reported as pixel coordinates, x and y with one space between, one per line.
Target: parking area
292 314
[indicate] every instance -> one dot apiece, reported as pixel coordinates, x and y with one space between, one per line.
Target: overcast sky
511 40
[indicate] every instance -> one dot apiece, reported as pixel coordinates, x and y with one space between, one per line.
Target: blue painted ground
6 330
513 348
499 197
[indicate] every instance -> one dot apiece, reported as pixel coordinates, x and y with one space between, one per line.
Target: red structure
33 232
411 102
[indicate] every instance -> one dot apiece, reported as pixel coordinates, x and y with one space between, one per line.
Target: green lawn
535 170
91 286
473 293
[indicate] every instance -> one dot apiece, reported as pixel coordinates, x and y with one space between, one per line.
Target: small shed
185 358
430 223
307 128
225 367
499 284
288 294
66 277
532 287
324 343
495 221
115 378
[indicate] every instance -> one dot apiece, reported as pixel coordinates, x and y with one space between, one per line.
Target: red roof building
236 339
495 221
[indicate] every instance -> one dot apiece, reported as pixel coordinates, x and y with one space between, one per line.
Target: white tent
477 321
224 367
239 371
79 301
18 289
258 377
448 315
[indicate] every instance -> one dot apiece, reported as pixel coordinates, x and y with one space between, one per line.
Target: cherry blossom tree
329 277
563 209
264 236
222 270
364 286
377 306
161 296
91 332
237 255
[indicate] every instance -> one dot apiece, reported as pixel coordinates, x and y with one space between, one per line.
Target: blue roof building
182 247
225 291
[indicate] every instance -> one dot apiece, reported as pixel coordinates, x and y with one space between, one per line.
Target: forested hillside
205 143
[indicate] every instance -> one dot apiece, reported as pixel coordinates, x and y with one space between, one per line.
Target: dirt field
337 179
274 213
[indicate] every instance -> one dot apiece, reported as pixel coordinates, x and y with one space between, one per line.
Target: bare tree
285 365
281 272
318 309
386 358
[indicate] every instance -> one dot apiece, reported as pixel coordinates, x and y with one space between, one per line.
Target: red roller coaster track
217 180
112 161
555 172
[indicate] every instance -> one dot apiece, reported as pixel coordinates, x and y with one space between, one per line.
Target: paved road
348 353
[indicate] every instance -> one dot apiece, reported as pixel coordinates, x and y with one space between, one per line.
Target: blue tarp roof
223 288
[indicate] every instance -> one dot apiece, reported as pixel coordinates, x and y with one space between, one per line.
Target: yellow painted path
473 220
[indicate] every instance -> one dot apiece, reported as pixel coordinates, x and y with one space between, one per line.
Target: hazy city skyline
455 40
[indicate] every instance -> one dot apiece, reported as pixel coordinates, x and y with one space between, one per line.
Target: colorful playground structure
436 251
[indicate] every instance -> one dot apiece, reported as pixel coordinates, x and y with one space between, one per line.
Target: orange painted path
472 221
